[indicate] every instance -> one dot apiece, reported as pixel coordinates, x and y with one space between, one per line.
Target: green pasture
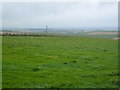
59 62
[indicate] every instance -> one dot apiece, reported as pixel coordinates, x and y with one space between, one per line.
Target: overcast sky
59 14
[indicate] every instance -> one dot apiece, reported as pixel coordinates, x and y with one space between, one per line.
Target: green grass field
59 62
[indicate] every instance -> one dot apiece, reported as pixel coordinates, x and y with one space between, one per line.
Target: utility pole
46 28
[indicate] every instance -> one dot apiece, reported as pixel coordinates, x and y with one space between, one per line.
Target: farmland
59 62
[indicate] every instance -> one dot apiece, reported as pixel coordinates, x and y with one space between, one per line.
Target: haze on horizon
59 14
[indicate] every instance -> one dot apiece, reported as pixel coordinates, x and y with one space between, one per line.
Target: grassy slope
86 34
100 36
59 62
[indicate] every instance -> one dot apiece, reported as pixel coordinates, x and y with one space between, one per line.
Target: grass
59 62
100 36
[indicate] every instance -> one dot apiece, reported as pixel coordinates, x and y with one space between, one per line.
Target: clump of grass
37 69
114 74
116 82
65 63
74 61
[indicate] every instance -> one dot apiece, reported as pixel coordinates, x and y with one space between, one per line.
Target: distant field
87 33
103 33
100 34
59 62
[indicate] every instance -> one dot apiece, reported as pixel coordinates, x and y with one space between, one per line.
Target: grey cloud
60 14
